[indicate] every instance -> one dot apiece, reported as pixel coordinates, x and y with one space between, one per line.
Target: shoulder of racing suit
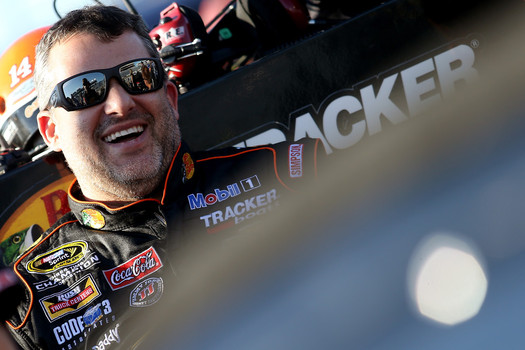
98 266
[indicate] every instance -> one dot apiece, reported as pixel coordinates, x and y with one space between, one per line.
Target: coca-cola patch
133 270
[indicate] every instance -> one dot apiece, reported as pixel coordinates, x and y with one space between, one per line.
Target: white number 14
21 72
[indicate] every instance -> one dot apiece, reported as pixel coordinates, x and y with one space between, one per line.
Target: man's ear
47 128
173 95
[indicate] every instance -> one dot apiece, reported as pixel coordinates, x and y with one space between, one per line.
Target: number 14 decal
20 72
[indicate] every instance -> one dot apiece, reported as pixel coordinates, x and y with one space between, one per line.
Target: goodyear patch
70 300
65 255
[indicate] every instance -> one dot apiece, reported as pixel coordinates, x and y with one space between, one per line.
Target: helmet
180 37
18 106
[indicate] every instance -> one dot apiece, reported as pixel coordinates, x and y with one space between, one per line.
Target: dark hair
104 22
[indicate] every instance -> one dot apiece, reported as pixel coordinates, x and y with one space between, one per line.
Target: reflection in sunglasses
90 88
139 77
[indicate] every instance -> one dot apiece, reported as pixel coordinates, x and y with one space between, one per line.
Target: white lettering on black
421 85
110 337
75 326
240 209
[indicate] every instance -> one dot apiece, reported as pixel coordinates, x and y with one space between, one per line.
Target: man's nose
118 101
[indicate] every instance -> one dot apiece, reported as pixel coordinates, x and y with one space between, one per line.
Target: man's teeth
116 135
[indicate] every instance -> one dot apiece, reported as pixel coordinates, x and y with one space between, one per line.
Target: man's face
109 166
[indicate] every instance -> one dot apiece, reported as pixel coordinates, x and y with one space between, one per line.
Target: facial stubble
135 179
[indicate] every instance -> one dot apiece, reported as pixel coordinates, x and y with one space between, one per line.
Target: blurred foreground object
340 278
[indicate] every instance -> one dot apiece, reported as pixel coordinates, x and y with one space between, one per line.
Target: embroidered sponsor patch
250 183
92 218
66 273
70 300
109 338
71 333
295 160
92 315
133 270
201 200
147 292
240 212
188 166
65 255
68 330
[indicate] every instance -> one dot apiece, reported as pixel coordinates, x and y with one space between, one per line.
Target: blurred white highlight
446 279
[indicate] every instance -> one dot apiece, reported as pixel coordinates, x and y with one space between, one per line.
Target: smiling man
140 194
119 149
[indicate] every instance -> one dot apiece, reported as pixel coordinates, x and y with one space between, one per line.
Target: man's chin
131 189
136 178
140 179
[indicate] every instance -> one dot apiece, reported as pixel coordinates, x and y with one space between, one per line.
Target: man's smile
124 135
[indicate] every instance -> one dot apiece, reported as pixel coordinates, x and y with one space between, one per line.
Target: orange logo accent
189 166
93 218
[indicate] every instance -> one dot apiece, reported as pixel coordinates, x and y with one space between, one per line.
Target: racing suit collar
98 215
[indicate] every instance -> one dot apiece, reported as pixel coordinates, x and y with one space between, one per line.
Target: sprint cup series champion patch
65 255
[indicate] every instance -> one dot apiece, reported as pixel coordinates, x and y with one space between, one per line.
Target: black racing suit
99 268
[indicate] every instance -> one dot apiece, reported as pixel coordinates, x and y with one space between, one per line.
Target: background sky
19 17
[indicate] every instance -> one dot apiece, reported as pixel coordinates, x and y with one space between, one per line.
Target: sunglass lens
85 90
140 76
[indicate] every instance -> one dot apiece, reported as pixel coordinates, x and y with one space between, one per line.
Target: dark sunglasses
90 88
